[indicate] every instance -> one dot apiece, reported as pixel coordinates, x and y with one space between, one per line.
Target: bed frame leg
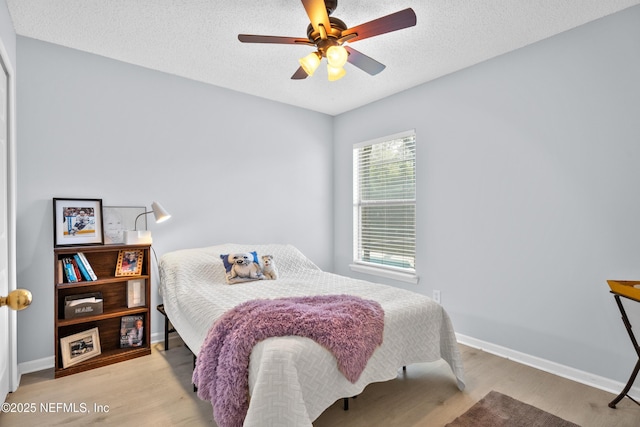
345 402
167 329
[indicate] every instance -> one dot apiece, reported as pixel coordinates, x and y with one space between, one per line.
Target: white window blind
384 202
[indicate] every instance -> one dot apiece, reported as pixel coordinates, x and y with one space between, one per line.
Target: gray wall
528 177
229 167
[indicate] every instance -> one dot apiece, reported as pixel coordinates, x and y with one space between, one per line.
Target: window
384 206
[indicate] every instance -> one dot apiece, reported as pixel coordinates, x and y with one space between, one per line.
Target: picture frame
77 222
129 262
118 219
136 293
79 347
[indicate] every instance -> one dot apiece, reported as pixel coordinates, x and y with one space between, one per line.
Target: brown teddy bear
269 267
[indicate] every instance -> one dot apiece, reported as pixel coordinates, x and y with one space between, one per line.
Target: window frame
406 274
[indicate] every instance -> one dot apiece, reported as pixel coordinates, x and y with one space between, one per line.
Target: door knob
17 300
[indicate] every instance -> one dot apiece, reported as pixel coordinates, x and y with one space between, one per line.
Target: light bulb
310 63
337 56
335 73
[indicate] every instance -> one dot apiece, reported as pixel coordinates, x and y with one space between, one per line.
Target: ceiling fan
328 34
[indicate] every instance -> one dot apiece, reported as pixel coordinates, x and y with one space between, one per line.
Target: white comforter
292 380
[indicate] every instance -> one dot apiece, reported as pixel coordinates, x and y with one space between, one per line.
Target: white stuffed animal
243 266
269 267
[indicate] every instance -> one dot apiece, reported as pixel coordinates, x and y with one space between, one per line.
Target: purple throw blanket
348 326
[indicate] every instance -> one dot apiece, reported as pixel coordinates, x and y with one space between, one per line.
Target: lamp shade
337 56
159 212
310 63
335 73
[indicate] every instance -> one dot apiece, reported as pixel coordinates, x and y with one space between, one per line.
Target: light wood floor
156 390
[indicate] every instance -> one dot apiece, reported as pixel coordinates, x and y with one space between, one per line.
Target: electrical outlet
436 295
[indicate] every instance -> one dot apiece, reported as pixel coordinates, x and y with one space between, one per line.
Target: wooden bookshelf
103 260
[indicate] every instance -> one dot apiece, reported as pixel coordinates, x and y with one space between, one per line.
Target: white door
8 366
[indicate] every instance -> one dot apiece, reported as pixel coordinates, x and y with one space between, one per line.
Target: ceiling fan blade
250 38
364 62
396 21
317 12
300 74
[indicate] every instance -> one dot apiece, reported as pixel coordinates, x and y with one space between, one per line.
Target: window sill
384 272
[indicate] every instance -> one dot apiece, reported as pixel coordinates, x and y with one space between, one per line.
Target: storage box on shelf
113 291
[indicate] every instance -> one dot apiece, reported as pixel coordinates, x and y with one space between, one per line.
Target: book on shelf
87 266
132 331
75 268
69 271
83 271
60 278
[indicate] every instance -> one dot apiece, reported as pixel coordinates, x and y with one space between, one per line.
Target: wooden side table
634 374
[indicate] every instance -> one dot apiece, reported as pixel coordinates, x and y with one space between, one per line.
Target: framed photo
132 331
77 222
129 262
136 293
79 347
118 219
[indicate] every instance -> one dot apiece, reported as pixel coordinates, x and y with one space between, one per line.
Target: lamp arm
135 228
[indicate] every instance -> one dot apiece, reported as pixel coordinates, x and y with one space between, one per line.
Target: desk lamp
143 237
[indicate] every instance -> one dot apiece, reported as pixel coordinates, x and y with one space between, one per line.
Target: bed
292 379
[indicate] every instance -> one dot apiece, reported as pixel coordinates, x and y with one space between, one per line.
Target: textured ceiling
197 39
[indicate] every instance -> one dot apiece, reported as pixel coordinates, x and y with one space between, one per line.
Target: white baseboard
48 362
35 365
535 362
554 368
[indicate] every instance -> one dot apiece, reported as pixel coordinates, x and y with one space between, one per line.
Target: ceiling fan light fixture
337 56
310 63
327 34
335 73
